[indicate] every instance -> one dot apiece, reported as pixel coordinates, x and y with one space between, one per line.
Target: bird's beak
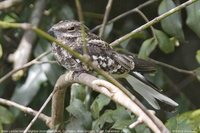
51 32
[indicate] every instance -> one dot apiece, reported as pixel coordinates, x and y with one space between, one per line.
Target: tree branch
190 72
23 52
150 23
39 112
57 109
34 61
105 19
107 89
27 110
125 14
147 20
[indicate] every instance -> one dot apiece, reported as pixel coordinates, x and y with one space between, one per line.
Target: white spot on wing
95 41
94 57
139 75
110 61
119 66
104 65
78 61
102 58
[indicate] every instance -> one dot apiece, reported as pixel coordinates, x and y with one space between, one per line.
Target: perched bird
69 33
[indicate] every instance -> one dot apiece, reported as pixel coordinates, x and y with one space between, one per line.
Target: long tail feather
147 90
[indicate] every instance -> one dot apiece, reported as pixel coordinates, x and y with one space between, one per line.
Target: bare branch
105 19
107 89
147 20
125 14
39 112
57 109
150 23
136 123
23 52
27 110
8 3
34 61
79 10
190 72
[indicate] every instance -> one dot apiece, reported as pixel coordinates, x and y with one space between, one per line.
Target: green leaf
164 42
1 127
142 129
1 51
79 111
105 117
6 117
125 43
147 48
25 93
78 92
188 121
193 17
98 104
197 72
121 124
11 17
198 56
121 114
112 116
74 124
175 41
172 24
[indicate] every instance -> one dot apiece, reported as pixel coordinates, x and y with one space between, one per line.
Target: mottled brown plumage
69 33
106 58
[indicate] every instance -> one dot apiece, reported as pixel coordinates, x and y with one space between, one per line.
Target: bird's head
67 29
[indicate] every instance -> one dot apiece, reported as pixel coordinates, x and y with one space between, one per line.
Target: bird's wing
143 66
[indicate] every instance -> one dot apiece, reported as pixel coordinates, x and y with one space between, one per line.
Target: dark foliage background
88 110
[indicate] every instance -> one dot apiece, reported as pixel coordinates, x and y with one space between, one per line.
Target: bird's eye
71 29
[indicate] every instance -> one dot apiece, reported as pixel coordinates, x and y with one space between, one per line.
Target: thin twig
24 26
190 72
105 19
39 112
27 110
125 14
34 61
146 19
81 19
8 3
79 10
155 20
136 123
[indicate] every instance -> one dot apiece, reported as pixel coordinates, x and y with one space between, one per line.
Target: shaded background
37 82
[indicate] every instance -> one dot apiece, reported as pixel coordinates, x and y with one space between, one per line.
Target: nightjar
69 33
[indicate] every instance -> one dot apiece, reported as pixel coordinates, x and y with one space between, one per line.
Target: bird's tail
147 90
